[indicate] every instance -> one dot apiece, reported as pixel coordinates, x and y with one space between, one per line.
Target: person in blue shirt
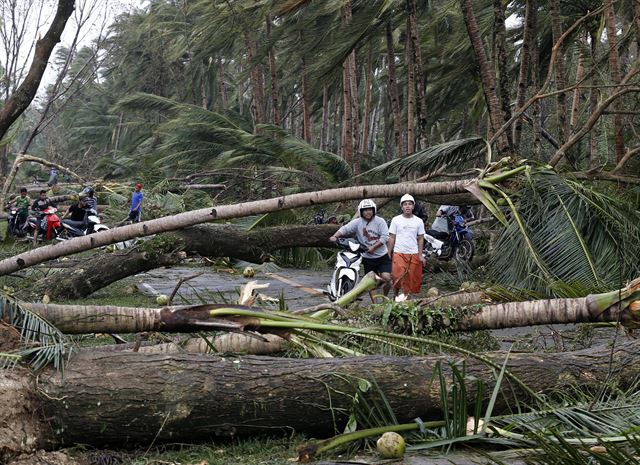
136 204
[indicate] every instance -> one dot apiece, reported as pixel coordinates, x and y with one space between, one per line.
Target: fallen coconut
248 272
391 445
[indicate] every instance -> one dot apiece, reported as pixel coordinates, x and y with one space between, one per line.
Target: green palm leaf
34 331
457 153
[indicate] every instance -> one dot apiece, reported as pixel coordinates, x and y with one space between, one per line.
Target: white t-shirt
407 231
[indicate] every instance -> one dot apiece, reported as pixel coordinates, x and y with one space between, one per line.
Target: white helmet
367 203
407 198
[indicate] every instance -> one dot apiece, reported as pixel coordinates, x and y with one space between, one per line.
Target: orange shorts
406 272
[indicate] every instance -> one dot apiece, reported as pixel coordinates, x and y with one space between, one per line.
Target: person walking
136 204
371 231
406 241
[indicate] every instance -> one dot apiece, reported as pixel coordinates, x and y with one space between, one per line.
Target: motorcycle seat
437 234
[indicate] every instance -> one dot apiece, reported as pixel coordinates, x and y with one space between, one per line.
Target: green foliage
563 238
42 343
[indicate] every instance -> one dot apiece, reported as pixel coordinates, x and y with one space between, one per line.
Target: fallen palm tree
617 306
126 399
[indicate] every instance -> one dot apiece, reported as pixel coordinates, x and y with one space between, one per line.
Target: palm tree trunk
257 83
240 89
561 82
487 74
575 104
501 61
529 35
325 137
194 397
366 114
636 17
392 88
223 85
411 147
347 121
183 220
422 86
355 108
593 105
306 104
275 100
614 69
536 114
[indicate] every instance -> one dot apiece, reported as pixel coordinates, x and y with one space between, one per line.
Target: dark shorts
378 265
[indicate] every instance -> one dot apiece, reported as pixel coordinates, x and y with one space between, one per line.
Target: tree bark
422 85
501 61
575 104
366 114
207 240
614 70
529 35
257 84
275 100
129 399
22 97
487 74
306 103
324 132
392 88
561 99
409 65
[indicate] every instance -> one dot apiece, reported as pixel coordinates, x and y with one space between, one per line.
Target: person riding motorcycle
77 214
37 208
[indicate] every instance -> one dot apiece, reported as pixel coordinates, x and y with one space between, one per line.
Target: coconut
162 299
433 292
391 445
249 272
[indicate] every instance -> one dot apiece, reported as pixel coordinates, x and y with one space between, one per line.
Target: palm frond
49 342
565 239
455 153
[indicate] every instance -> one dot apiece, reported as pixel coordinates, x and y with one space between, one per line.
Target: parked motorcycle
457 243
48 226
92 224
347 270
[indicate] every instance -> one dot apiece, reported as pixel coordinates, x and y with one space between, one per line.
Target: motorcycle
48 227
14 226
92 224
456 243
347 271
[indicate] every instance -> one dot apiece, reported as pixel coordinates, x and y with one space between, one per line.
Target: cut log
126 399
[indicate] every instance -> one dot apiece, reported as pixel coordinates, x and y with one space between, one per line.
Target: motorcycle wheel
465 250
346 286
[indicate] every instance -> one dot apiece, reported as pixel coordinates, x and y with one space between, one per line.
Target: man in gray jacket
371 231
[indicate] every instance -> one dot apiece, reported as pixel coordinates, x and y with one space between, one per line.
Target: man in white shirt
406 241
